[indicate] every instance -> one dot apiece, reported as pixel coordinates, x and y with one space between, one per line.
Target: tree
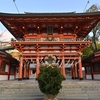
95 38
93 8
0 39
95 30
1 34
86 52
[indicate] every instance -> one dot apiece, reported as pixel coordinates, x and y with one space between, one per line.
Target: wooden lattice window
50 30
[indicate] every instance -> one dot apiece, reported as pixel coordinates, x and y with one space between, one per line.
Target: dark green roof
27 14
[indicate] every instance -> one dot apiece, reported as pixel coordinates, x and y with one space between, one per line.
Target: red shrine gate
41 34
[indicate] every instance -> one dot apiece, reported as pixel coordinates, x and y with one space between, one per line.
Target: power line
86 5
16 6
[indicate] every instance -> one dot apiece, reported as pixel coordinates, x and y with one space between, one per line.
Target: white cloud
6 36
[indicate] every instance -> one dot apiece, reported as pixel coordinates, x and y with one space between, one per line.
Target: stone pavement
28 90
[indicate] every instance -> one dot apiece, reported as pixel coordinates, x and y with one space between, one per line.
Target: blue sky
45 5
8 6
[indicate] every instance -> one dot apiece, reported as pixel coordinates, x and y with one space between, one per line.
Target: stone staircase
28 90
80 90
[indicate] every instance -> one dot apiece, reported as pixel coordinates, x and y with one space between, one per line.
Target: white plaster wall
6 69
88 77
11 77
16 75
96 76
3 77
32 65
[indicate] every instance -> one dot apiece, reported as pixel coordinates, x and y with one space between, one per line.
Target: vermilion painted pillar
80 69
73 72
76 72
37 67
25 71
20 69
30 72
63 67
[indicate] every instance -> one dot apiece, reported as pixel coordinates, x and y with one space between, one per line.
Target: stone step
22 98
29 90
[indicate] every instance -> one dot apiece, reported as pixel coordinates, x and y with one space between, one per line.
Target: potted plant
50 80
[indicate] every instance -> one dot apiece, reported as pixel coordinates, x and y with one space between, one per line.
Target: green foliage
86 52
50 80
96 30
98 46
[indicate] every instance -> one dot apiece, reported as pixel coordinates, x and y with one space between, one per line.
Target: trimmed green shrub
50 80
